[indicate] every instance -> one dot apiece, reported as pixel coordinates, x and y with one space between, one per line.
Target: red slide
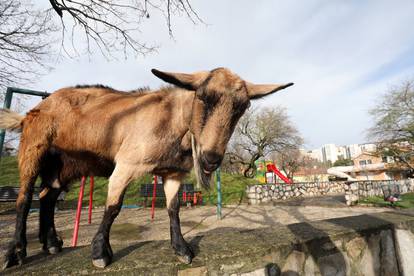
272 168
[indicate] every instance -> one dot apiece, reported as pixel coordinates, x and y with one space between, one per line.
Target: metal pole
154 196
218 193
78 212
91 184
6 104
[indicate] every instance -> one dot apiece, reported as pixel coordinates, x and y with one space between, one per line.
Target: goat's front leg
180 246
118 182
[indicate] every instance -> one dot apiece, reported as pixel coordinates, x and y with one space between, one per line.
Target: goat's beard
203 179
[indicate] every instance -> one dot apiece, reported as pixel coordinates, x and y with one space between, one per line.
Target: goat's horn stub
260 90
186 81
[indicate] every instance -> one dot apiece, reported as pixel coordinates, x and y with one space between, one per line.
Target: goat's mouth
207 172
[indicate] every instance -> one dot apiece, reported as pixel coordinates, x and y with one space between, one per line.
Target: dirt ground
134 225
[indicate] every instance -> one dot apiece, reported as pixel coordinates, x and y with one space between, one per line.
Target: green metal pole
6 104
218 178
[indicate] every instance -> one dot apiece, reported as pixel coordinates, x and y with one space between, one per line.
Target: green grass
233 187
407 201
9 174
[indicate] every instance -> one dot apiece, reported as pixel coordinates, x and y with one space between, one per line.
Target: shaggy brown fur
96 130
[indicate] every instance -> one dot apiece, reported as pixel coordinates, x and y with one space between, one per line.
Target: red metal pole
91 183
154 196
78 213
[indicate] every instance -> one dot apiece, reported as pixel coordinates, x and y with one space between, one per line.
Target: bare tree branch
393 127
25 39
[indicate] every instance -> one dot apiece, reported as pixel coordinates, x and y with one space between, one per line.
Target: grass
9 174
233 187
407 201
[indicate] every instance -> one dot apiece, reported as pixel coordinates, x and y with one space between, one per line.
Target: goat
96 130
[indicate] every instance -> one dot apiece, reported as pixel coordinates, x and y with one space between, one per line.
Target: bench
9 194
391 192
186 193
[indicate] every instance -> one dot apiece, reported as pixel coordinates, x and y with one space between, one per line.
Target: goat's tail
10 120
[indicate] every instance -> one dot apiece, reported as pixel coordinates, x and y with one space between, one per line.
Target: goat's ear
186 81
257 91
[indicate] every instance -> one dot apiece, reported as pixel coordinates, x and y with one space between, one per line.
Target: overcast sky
342 56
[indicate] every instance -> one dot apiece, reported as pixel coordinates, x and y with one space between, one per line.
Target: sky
341 55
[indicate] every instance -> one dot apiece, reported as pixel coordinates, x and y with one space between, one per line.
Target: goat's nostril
212 157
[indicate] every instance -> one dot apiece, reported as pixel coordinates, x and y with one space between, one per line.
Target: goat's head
221 98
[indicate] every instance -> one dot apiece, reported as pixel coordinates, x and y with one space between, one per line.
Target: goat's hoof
101 263
53 246
14 257
185 259
101 252
54 250
184 253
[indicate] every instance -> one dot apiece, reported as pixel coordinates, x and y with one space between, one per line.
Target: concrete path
135 225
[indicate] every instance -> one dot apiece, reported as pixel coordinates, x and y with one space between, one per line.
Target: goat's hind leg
52 243
181 247
51 189
17 248
34 143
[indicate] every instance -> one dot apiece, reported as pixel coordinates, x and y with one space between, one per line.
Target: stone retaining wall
366 245
353 191
268 192
361 189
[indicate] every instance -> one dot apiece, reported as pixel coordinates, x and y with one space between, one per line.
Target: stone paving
135 225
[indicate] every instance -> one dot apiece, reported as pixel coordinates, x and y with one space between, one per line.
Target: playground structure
267 172
271 168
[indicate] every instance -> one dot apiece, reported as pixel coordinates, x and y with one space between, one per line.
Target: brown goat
95 130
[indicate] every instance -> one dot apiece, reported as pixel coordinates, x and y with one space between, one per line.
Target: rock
353 187
405 245
194 271
355 247
231 267
257 272
334 264
389 265
294 263
370 261
311 268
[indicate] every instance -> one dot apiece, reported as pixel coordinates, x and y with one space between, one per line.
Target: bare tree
25 38
394 123
114 26
29 34
260 133
288 161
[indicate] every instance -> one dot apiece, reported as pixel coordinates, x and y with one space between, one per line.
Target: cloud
341 55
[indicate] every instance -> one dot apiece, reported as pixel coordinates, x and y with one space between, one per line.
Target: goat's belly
81 163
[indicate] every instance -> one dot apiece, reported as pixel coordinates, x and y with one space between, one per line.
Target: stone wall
353 191
357 190
268 192
365 245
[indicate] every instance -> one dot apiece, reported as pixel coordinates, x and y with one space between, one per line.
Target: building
331 152
313 174
370 166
